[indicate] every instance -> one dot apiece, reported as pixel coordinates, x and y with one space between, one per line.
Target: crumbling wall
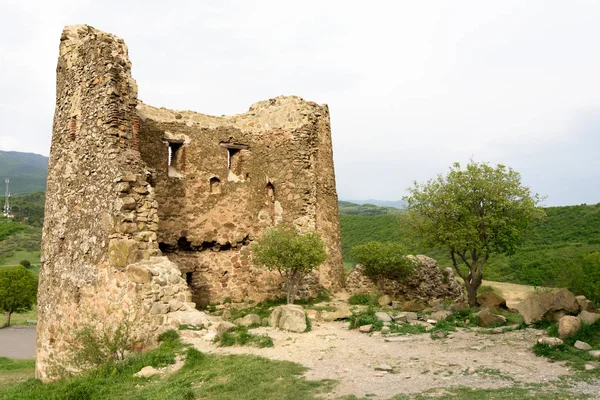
235 177
148 208
101 214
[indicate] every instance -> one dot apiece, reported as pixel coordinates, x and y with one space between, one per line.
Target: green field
550 255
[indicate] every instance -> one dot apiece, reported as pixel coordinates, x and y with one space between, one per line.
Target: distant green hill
546 258
26 171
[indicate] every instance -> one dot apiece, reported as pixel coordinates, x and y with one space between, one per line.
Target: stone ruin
427 282
151 212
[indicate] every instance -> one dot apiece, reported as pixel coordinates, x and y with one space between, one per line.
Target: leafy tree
474 213
18 290
291 254
25 263
383 261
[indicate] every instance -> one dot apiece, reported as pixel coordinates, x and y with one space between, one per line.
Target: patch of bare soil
512 293
419 363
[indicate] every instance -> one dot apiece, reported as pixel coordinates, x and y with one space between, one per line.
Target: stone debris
543 305
582 345
550 341
383 367
588 318
491 300
289 317
595 353
383 316
440 315
343 312
486 318
248 320
568 326
384 300
365 328
426 282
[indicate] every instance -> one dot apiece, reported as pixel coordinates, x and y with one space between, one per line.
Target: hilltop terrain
26 171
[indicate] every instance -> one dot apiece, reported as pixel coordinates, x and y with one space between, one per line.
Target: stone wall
129 183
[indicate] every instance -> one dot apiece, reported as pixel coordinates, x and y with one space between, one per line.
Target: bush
168 336
384 261
362 299
25 263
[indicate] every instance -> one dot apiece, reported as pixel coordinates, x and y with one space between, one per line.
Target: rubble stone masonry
151 211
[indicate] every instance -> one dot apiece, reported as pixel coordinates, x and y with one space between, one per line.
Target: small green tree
25 263
291 254
383 260
474 213
18 291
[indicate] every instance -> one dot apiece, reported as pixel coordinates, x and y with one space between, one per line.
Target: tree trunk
289 285
471 292
7 323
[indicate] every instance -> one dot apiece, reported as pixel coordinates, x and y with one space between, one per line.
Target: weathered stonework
149 210
427 282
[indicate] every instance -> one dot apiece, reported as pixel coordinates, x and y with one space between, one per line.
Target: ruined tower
151 212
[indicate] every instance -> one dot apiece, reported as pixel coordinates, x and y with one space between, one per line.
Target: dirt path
512 292
465 358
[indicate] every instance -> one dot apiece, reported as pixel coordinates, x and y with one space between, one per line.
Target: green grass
32 256
577 359
15 371
202 377
242 337
21 319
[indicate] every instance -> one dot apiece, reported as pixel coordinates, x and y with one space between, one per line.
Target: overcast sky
412 86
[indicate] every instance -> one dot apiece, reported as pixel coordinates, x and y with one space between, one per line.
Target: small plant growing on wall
291 254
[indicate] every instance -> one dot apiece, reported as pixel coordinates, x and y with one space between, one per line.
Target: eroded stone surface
150 212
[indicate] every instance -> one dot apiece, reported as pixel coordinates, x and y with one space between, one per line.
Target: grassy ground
32 256
21 319
15 371
202 377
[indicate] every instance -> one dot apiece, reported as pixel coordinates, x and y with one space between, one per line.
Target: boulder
486 318
491 300
550 341
384 300
226 314
400 318
412 306
248 320
383 316
582 345
588 318
440 315
290 317
568 326
595 353
396 305
147 372
459 306
315 315
543 305
585 304
340 313
223 327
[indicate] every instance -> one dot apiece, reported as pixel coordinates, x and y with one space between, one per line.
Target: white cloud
412 86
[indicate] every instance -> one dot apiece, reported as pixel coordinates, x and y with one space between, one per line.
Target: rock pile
425 283
554 305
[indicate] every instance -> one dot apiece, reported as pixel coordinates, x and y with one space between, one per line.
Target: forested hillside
552 255
20 237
